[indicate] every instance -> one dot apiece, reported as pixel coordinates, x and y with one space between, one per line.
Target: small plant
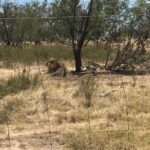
3 117
133 84
88 87
2 89
2 129
114 116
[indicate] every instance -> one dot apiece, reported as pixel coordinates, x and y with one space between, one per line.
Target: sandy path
33 141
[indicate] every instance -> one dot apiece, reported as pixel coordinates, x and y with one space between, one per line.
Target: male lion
55 68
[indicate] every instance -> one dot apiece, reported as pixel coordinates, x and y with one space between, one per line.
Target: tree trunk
78 38
6 36
77 58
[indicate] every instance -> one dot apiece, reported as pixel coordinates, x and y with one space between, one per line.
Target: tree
35 27
133 34
8 10
78 27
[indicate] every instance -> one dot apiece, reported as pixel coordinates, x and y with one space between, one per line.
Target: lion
55 68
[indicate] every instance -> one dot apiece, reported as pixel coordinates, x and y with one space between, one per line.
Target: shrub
86 89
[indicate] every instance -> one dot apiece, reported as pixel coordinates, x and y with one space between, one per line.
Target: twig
108 93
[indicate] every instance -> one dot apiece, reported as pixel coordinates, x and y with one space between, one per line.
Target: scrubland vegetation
74 112
102 101
31 54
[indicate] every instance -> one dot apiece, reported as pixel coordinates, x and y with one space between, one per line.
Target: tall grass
31 54
100 140
95 53
17 83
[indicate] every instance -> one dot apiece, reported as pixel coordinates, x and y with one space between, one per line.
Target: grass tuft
114 140
17 83
2 129
12 106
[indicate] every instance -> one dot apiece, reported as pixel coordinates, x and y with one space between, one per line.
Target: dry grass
2 129
69 117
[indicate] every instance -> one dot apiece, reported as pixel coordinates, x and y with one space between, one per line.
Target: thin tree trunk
77 38
77 58
6 37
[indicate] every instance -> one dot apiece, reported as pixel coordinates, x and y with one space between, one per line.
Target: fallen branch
108 93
